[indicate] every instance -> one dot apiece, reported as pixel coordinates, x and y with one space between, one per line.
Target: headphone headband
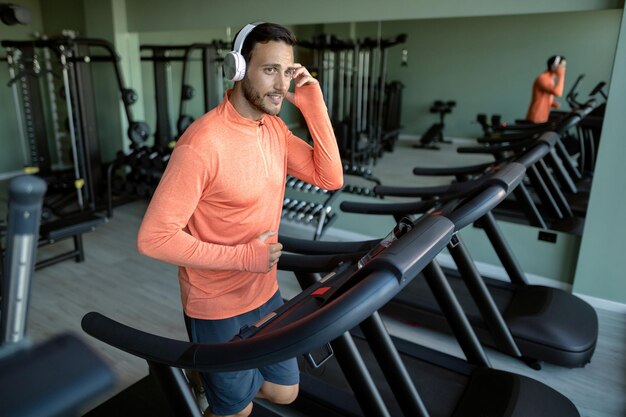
243 34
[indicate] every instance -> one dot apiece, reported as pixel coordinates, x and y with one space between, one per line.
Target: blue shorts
230 392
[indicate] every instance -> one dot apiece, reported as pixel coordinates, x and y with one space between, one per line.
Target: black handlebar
317 315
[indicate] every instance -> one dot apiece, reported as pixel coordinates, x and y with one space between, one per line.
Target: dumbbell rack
367 183
136 174
308 205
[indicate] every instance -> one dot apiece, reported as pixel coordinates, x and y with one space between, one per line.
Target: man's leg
231 393
281 380
279 394
228 393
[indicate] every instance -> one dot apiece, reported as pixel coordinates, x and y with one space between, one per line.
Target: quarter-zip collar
244 125
236 120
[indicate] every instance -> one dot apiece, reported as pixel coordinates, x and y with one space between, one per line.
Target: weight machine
353 76
434 134
43 74
144 165
212 56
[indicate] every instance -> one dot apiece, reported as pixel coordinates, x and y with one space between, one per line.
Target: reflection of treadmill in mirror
447 385
546 324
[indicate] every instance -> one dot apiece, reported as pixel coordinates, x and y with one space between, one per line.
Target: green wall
60 15
600 271
159 15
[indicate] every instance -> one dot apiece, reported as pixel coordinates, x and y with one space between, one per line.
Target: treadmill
561 191
56 377
346 297
530 322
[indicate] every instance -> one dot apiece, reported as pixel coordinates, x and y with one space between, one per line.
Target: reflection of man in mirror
547 85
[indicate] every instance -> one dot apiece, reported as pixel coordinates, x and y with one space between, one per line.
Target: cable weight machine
353 78
44 73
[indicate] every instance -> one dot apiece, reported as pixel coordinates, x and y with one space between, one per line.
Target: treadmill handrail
449 171
292 340
502 181
321 247
538 150
282 337
413 207
319 262
450 191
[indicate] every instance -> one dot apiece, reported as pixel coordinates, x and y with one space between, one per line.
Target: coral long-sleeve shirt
544 91
222 188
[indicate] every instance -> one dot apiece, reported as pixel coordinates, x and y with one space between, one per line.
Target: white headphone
234 62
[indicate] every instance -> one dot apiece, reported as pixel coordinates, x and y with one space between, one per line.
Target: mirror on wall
470 77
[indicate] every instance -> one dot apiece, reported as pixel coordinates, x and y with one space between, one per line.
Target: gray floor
141 292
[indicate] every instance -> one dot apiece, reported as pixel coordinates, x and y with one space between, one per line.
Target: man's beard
256 100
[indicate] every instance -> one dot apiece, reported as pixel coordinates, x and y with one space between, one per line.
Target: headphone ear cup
241 67
234 66
230 65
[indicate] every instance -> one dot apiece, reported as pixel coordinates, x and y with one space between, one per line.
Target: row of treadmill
350 365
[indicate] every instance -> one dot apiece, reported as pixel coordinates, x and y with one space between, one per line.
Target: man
217 209
545 88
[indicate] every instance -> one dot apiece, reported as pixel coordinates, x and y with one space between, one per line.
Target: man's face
268 76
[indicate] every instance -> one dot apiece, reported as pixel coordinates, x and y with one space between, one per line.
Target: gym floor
116 281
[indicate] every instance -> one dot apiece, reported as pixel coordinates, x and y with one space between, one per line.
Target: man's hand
300 76
274 248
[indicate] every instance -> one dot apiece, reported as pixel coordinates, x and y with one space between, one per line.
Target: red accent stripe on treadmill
320 291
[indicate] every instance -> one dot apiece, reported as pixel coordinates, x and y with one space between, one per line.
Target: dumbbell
298 186
304 211
285 202
367 191
290 182
294 210
315 212
287 207
147 159
134 158
161 162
